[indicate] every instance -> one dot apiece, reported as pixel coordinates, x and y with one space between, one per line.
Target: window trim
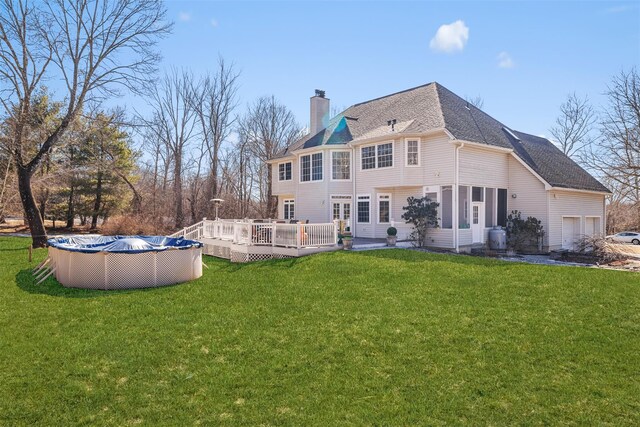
406 152
380 199
311 180
584 225
375 145
286 202
340 198
350 165
368 196
285 173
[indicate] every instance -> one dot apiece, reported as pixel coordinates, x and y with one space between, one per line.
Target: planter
391 240
347 244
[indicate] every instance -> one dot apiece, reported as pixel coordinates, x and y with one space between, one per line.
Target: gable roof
432 106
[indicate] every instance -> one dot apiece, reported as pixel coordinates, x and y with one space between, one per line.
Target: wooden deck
253 240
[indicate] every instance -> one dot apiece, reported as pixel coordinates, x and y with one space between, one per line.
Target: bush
422 213
524 235
601 249
392 231
132 225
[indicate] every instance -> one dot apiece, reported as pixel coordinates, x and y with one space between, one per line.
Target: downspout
456 196
354 202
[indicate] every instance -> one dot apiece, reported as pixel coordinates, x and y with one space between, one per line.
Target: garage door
591 226
570 232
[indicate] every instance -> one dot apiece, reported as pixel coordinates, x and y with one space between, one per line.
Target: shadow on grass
231 267
411 255
27 282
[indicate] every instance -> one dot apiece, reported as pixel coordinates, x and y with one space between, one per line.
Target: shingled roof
432 106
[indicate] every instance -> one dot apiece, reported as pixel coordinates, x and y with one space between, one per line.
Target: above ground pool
124 262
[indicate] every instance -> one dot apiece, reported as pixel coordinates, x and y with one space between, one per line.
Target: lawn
390 337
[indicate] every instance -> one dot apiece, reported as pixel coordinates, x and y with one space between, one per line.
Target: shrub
392 231
524 234
131 225
422 213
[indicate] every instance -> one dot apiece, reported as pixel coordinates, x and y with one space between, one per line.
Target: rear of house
362 165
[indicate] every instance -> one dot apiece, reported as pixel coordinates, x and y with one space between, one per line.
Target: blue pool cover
121 244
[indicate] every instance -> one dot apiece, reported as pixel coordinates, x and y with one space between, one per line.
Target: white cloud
213 23
450 37
184 16
505 61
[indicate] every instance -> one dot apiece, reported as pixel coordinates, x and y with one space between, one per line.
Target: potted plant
347 239
392 236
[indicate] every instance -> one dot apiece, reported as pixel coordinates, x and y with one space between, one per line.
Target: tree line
64 156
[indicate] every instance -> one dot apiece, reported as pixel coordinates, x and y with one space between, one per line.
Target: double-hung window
385 155
368 157
311 167
289 209
377 156
340 165
284 171
364 209
413 152
384 208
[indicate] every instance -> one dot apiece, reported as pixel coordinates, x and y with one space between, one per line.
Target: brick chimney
319 112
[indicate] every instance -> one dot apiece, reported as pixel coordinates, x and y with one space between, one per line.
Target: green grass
391 337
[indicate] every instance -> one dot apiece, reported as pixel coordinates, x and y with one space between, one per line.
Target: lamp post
216 204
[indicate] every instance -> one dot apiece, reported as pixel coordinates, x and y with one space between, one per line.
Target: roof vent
467 106
392 123
320 93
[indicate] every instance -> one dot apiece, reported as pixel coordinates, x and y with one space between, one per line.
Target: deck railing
254 233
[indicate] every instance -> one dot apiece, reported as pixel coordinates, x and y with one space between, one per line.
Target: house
363 164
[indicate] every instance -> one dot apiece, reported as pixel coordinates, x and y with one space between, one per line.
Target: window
385 155
289 209
368 157
311 167
477 194
377 156
463 207
316 167
446 206
363 209
502 207
336 211
413 152
384 208
284 171
340 165
489 207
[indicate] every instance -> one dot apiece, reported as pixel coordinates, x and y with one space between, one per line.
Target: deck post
273 233
336 225
298 234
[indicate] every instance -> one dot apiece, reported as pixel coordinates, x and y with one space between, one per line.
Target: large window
340 165
364 209
284 171
446 207
413 152
289 209
384 208
377 156
385 155
489 207
311 167
502 207
463 207
368 157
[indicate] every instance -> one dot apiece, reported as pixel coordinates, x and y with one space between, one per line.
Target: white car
625 237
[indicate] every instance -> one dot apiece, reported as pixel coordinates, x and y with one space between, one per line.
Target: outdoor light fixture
514 196
217 203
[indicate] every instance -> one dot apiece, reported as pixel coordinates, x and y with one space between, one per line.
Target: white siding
572 203
284 187
483 168
530 195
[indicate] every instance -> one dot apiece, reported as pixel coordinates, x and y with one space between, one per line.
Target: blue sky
522 58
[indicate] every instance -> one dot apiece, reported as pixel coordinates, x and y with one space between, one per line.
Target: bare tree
615 155
215 99
574 126
267 128
476 101
173 122
95 47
